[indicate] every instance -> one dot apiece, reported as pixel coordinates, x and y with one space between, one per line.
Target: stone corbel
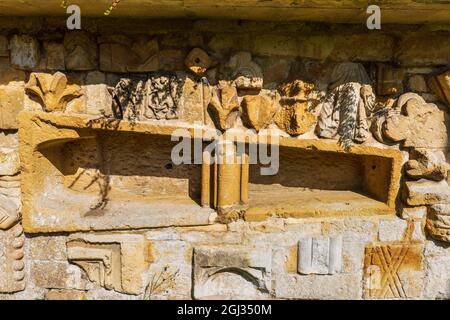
114 261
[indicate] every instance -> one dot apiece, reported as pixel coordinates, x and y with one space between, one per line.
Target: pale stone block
98 100
25 51
392 229
437 266
415 213
51 248
50 274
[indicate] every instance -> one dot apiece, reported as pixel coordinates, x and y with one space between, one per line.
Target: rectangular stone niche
318 178
81 175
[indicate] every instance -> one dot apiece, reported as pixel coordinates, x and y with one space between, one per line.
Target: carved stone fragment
246 73
438 221
223 105
52 91
114 261
198 61
425 192
414 122
258 111
320 256
393 270
12 266
427 164
296 118
344 112
232 272
157 97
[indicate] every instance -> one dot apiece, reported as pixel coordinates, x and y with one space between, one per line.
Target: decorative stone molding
393 270
12 266
320 256
440 85
114 261
224 105
9 213
232 272
413 122
156 97
53 91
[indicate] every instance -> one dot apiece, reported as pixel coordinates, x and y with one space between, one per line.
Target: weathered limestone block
438 221
417 83
114 261
410 50
223 105
11 103
427 164
258 111
4 46
171 60
52 91
65 294
81 52
193 106
95 77
390 80
414 122
246 74
98 99
425 192
125 54
437 264
56 274
54 53
414 213
12 266
9 162
320 255
25 51
440 85
198 61
393 229
393 270
232 272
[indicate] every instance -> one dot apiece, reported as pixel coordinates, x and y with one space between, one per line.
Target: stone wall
92 207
